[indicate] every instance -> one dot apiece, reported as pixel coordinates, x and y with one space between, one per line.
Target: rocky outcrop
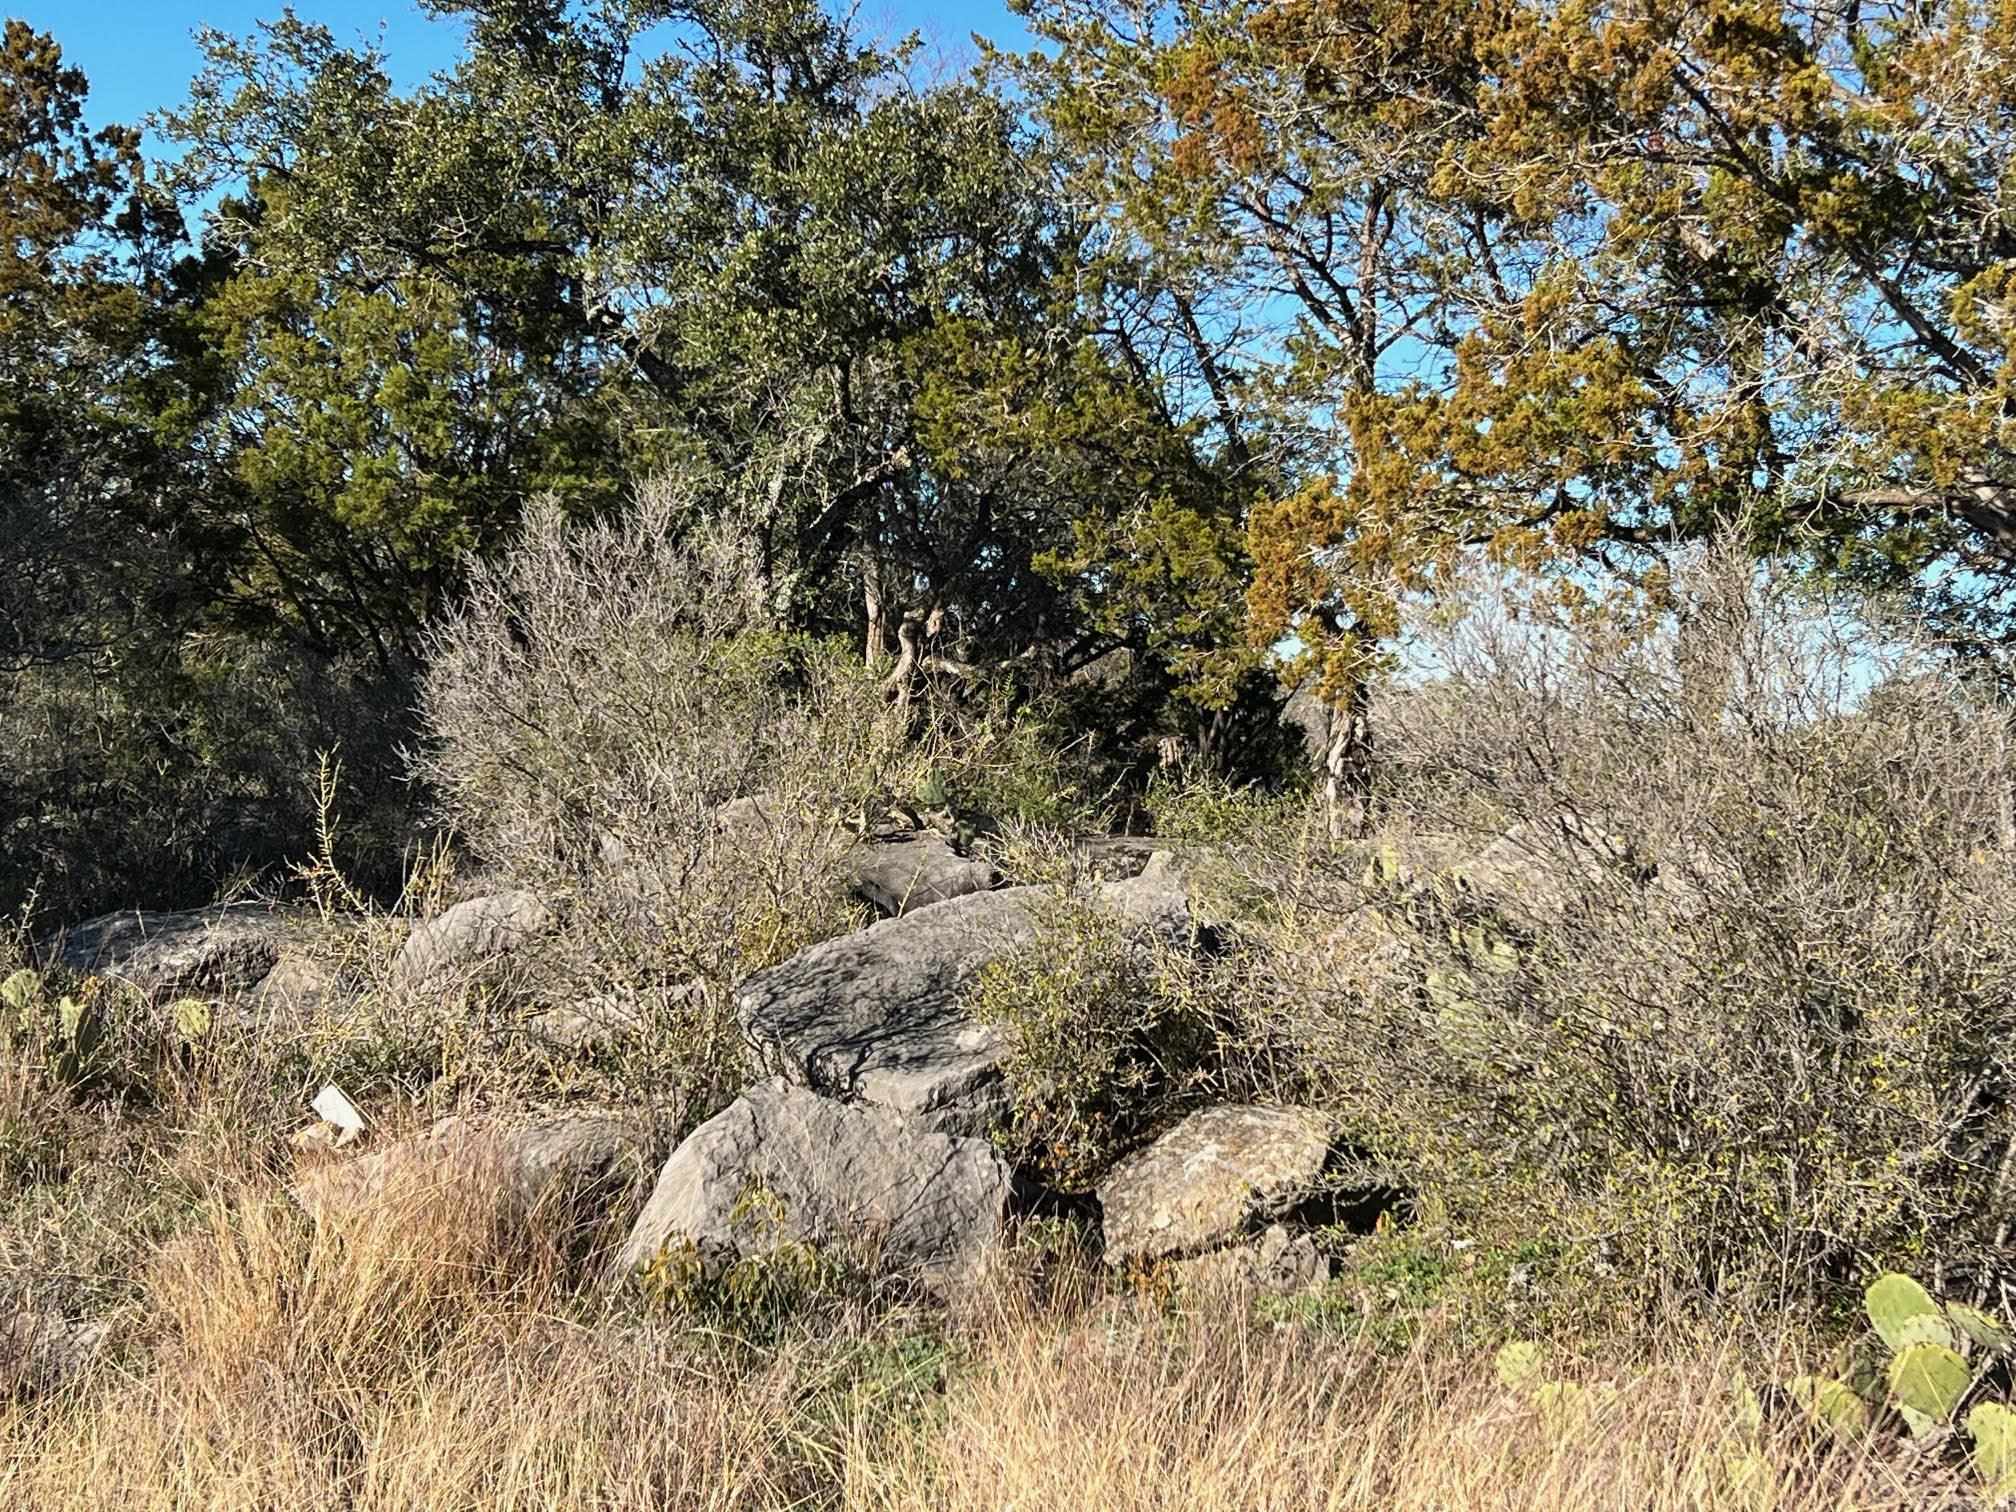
1279 1260
208 952
899 874
1210 1180
784 1165
878 1016
1120 857
470 934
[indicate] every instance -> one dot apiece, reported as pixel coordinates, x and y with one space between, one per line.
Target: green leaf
1916 1422
1749 1474
69 1017
1930 1378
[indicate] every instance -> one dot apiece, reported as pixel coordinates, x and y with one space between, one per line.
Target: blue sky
140 56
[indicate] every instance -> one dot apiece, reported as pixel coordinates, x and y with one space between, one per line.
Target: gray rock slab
1206 1182
198 951
878 1016
42 1350
471 933
1280 1261
782 1164
902 873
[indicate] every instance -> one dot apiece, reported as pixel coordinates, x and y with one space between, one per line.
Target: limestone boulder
41 1350
611 1019
785 1165
1280 1260
879 1016
207 952
1213 1178
575 1162
899 874
470 934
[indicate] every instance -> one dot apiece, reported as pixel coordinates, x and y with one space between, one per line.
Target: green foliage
1903 1313
1107 1035
1207 807
21 990
753 1296
70 1033
1518 1364
1588 1023
600 246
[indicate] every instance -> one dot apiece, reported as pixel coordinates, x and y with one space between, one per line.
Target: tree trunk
1347 765
877 649
2005 783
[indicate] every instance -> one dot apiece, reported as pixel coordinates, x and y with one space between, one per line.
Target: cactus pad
1993 1429
1905 1314
1931 1379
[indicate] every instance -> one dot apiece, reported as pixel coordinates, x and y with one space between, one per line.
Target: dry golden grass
1214 1413
432 1353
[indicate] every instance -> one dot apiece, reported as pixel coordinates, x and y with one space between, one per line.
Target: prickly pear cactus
1519 1364
1930 1380
1992 1427
1904 1313
1980 1329
191 1017
20 990
1830 1403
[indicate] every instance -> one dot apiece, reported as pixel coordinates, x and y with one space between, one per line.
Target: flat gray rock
471 933
209 952
1279 1262
1206 1182
878 1016
902 873
783 1165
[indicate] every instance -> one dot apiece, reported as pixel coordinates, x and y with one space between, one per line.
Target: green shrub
1197 804
156 781
777 1278
1108 1035
1727 1007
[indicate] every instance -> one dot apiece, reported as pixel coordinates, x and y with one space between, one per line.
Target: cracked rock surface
1211 1179
782 1164
878 1016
